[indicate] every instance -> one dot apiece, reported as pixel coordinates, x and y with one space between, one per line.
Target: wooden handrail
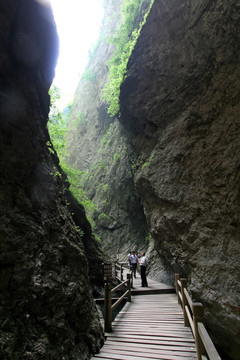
119 266
209 346
193 314
108 307
119 300
189 300
119 286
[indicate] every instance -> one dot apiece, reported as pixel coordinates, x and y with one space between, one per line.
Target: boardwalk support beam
198 316
129 287
108 291
184 302
107 307
178 287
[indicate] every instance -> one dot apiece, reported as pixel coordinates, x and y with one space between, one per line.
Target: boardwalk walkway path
150 327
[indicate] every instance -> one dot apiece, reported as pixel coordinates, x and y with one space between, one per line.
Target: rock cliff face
180 105
98 147
46 306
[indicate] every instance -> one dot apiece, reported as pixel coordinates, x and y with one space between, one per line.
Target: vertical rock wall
98 147
46 306
181 106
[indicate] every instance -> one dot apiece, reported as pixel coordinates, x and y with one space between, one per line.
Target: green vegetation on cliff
134 14
124 40
57 126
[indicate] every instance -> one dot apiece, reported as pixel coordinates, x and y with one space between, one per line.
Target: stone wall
46 307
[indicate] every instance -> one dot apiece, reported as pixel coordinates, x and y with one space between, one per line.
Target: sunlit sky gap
78 23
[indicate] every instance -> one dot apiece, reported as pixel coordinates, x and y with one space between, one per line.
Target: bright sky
78 23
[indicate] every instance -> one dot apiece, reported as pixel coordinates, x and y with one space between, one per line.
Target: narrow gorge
164 176
159 175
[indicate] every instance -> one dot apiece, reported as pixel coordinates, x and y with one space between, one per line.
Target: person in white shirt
134 261
129 258
143 266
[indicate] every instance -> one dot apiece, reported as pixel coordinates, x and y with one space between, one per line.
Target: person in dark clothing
134 262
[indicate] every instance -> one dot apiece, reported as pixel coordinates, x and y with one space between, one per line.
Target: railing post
177 277
129 287
184 301
121 272
198 316
107 307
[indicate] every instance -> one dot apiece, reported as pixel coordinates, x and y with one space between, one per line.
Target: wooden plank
160 345
103 355
153 325
160 326
156 340
143 346
148 350
121 355
153 321
162 334
136 354
144 314
154 334
157 324
155 331
156 311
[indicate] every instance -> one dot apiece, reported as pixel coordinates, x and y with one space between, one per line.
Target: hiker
129 259
134 262
143 266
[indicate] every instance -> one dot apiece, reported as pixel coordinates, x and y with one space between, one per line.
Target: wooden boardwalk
154 287
150 327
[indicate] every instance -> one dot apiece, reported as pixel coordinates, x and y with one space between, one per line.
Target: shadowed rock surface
46 306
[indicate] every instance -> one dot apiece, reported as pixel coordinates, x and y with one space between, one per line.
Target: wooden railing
108 306
119 267
119 270
193 314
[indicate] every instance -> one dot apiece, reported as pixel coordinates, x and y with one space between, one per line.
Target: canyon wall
180 106
98 147
46 306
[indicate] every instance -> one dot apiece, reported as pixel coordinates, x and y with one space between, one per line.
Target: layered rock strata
46 306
